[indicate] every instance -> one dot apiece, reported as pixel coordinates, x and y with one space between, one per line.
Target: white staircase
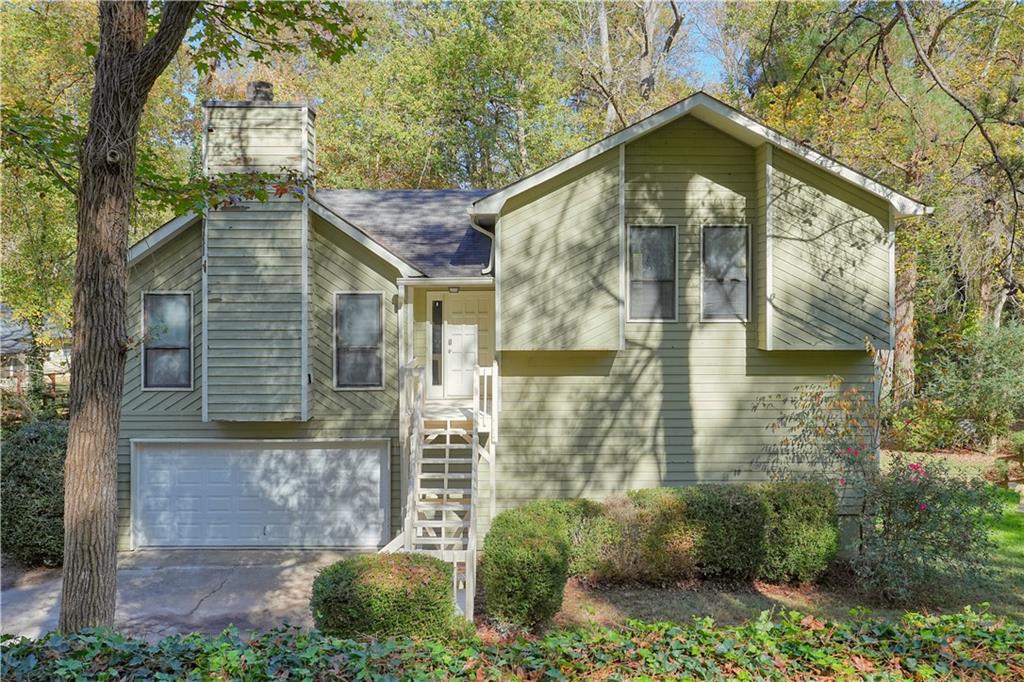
444 447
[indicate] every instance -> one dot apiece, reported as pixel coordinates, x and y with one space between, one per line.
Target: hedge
964 646
525 564
385 595
32 491
778 532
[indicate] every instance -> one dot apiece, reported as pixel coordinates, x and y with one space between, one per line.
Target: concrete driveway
170 591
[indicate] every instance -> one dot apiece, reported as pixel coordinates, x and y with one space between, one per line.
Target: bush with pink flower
926 527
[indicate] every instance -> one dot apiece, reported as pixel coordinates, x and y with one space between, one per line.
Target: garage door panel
245 494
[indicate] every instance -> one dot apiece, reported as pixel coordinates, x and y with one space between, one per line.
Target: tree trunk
34 361
520 114
648 16
126 68
607 72
903 353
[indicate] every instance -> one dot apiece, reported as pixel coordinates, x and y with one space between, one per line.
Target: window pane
436 341
652 253
652 300
725 300
359 358
168 368
725 273
725 253
652 272
359 368
168 321
359 320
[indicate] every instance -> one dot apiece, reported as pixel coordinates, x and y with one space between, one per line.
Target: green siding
418 298
759 299
559 262
255 265
244 139
830 260
675 406
338 264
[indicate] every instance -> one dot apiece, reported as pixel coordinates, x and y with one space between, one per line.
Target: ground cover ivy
968 645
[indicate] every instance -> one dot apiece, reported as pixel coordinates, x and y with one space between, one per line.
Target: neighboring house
15 345
348 367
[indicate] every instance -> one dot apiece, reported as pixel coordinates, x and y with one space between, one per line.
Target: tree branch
161 48
1007 265
944 23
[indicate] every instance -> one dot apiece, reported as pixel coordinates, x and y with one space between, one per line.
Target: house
16 343
390 368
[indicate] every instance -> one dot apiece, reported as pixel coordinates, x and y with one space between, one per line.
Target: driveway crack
207 596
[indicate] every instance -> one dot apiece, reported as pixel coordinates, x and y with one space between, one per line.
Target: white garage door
259 494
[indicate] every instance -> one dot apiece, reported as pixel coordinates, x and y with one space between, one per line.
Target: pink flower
922 507
842 481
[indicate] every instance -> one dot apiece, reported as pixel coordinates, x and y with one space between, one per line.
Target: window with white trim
167 340
724 277
359 340
652 272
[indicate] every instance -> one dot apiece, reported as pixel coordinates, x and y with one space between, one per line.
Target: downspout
490 258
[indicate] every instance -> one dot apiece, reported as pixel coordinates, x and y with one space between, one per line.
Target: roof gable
720 115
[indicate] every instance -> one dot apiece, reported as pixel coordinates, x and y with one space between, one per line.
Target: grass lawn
735 605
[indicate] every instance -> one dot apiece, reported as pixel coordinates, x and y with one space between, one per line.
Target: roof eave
742 127
160 236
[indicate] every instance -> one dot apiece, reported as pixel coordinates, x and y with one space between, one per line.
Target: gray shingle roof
429 229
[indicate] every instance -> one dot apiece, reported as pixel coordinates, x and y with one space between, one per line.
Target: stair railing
412 383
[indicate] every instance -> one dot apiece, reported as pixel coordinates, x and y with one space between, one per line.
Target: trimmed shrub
32 490
591 532
628 559
802 533
380 595
714 531
779 532
526 564
667 536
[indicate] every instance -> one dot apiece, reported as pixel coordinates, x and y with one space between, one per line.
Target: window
436 342
359 341
167 340
652 272
724 273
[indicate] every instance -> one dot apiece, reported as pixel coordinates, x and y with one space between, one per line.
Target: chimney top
260 91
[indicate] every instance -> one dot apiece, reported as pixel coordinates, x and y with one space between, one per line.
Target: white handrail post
470 585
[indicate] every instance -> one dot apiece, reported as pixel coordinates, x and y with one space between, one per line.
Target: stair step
441 505
444 491
446 432
433 476
447 446
455 556
419 523
438 541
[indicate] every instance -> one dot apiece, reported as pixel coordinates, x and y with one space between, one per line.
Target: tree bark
126 68
607 72
903 353
648 15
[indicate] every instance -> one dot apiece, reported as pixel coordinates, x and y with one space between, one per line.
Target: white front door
460 345
465 335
